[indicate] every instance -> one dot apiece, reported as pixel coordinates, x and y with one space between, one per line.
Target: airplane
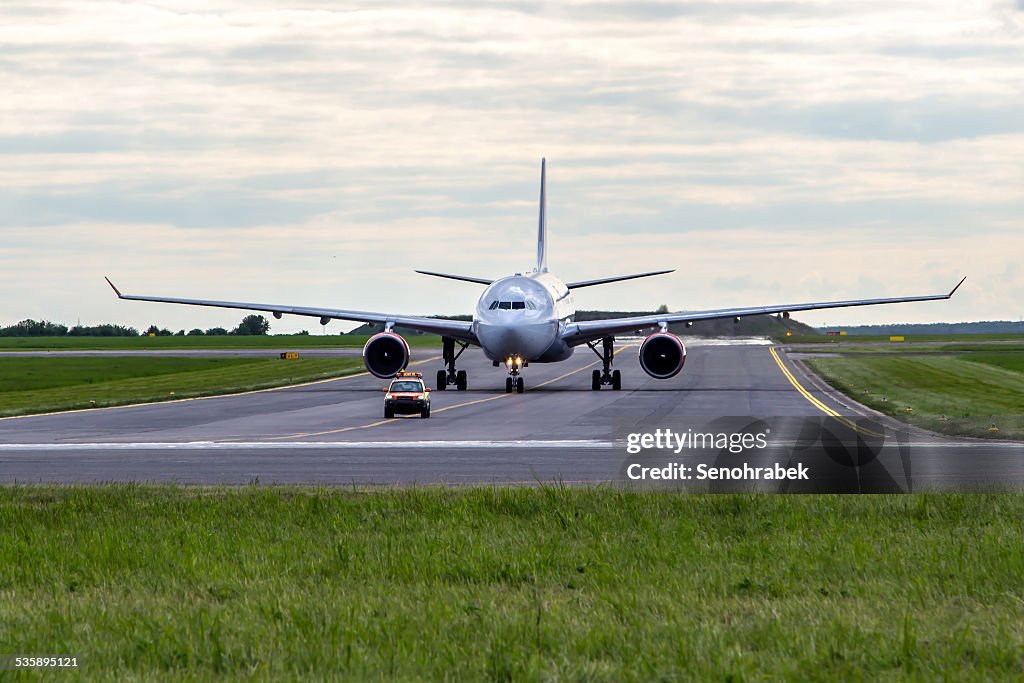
530 318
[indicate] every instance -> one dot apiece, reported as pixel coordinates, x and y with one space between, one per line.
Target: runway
334 433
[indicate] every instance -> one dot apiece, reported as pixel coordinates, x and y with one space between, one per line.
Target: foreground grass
279 342
512 584
972 390
37 385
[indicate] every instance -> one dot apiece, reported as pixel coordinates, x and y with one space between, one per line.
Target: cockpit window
512 305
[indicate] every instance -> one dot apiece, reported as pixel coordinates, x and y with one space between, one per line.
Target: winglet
950 295
116 290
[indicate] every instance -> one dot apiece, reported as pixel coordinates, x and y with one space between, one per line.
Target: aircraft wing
582 332
457 329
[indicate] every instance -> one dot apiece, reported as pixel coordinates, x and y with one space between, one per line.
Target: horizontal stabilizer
617 278
464 278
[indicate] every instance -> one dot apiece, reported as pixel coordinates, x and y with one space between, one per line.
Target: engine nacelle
662 355
386 354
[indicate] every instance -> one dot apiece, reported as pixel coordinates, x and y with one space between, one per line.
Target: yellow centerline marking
799 387
203 398
439 410
815 402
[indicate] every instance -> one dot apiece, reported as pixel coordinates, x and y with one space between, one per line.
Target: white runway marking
277 445
272 445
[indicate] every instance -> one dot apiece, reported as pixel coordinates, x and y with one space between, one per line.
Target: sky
315 153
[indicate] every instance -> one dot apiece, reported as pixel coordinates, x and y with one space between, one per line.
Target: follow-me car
530 318
407 395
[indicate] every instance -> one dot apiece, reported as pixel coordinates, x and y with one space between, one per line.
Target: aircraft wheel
520 385
442 380
508 385
595 380
461 380
616 380
389 413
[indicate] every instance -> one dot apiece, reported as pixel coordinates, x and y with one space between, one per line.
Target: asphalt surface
334 432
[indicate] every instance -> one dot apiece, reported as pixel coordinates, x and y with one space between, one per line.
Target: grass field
512 584
910 338
281 342
35 385
972 389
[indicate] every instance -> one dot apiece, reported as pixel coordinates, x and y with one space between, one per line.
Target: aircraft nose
525 341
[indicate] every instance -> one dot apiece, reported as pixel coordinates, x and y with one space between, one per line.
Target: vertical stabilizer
542 231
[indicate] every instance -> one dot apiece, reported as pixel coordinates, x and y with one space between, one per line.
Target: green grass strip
973 391
37 385
272 342
512 584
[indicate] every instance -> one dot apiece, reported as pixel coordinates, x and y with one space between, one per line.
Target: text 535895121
14 662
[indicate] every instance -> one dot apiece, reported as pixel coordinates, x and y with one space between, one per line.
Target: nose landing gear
605 376
451 376
514 379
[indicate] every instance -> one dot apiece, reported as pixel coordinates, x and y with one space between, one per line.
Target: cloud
301 151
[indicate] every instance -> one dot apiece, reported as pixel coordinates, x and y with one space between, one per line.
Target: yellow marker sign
789 334
896 338
289 355
842 333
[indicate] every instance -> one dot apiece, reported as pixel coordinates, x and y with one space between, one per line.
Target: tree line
250 325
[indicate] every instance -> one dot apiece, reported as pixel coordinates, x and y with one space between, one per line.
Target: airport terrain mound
519 583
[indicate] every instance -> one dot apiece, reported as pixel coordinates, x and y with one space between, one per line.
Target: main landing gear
607 355
451 376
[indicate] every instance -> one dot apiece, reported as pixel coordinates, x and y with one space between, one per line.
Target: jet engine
386 354
662 355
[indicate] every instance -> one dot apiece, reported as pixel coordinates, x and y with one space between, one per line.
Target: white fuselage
524 316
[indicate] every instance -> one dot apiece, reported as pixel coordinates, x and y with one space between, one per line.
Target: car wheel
389 413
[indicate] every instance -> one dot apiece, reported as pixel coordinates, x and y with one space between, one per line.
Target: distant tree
159 332
301 333
179 333
252 325
216 332
662 309
195 332
105 330
32 328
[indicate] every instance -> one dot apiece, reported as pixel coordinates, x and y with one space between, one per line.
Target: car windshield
406 386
